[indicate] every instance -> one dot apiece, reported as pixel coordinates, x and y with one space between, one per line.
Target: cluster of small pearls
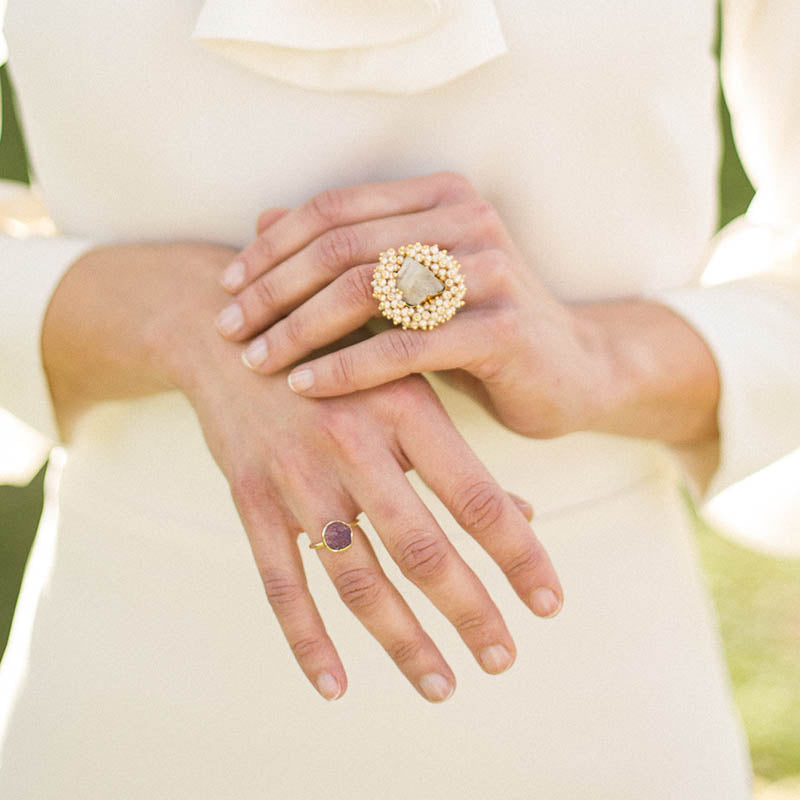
434 310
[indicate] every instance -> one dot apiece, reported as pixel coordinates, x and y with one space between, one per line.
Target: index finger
333 208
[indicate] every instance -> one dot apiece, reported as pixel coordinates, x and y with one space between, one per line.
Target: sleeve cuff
752 327
31 269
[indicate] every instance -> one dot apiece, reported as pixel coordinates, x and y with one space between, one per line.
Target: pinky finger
233 275
267 217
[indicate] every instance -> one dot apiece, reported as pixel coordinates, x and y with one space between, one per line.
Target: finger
283 288
336 310
459 478
340 308
233 275
269 217
523 505
385 357
281 569
427 558
373 599
344 206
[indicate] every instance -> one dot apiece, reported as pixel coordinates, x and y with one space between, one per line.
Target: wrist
182 344
655 376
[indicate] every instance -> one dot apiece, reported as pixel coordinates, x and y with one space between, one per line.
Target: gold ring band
418 286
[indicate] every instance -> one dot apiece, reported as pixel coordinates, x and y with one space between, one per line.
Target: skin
548 368
132 320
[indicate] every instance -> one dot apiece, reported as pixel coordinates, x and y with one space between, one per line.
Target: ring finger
379 606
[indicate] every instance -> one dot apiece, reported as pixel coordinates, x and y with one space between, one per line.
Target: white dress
155 668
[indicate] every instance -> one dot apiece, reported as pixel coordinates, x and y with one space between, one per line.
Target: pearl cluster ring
418 286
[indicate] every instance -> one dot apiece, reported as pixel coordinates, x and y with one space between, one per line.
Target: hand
307 280
542 367
293 464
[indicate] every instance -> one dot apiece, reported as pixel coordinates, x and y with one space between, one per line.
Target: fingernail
435 687
301 380
544 602
230 319
255 354
495 659
328 686
233 276
524 507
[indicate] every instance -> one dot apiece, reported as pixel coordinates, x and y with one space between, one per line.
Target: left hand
306 282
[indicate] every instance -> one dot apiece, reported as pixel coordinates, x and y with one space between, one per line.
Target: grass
757 601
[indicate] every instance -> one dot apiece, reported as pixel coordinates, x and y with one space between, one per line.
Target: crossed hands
361 416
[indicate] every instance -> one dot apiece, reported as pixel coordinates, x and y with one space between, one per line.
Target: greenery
756 595
757 602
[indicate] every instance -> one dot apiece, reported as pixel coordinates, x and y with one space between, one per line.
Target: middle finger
427 557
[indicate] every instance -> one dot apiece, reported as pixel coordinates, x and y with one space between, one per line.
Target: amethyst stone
337 535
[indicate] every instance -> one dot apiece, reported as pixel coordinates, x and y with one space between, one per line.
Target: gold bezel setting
435 309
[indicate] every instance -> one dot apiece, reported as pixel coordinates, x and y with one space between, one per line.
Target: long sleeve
752 324
31 269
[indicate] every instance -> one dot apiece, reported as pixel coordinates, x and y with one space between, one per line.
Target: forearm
657 379
118 315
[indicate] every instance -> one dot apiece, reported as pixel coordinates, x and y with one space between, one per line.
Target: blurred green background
757 596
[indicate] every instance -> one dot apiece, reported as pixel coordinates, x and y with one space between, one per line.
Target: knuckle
343 368
284 457
454 185
522 563
495 264
294 331
506 325
338 248
264 248
405 651
401 346
470 620
358 285
264 292
479 505
360 588
423 557
484 216
408 397
337 424
328 205
283 591
263 220
247 489
306 648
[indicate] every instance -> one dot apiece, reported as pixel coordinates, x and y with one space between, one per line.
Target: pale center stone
417 282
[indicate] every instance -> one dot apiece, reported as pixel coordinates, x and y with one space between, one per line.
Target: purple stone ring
336 536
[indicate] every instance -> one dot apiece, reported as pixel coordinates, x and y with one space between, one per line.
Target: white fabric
32 268
753 325
401 46
595 136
